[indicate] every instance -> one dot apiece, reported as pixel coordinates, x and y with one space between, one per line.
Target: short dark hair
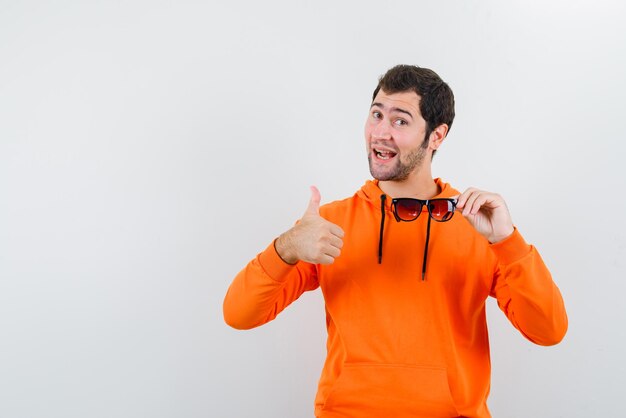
437 100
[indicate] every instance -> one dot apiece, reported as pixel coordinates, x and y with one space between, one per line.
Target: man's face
394 136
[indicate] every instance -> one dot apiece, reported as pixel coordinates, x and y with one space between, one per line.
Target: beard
401 170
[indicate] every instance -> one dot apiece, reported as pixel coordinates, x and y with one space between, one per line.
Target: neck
420 184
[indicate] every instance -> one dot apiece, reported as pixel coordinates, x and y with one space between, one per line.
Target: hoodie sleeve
526 292
265 287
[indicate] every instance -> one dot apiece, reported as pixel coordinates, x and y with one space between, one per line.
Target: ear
437 136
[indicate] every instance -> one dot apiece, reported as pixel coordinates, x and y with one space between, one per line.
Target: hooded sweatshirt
399 346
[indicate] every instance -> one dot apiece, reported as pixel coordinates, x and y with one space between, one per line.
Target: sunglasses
407 209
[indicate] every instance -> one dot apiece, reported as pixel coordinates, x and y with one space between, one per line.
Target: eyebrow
393 109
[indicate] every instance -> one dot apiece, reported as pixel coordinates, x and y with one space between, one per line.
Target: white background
149 149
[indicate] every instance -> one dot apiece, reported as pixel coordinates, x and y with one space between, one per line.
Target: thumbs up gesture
314 239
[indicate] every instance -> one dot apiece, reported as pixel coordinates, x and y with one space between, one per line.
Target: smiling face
394 136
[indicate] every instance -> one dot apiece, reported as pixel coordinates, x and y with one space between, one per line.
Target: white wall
149 149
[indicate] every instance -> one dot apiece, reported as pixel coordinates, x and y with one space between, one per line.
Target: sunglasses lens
408 209
441 209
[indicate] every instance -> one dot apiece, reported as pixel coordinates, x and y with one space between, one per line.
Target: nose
381 130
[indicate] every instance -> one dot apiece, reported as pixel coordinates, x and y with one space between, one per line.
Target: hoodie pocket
379 390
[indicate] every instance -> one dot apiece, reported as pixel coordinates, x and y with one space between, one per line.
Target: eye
400 122
376 115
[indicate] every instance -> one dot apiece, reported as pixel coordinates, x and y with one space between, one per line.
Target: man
404 281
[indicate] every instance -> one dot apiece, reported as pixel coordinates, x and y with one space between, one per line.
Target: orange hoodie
399 346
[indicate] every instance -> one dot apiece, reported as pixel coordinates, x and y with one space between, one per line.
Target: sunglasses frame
394 208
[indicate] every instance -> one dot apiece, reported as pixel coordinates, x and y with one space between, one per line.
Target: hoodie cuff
274 266
512 248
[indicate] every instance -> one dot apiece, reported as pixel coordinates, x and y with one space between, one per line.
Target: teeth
384 155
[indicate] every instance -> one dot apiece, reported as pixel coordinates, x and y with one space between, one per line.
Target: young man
404 281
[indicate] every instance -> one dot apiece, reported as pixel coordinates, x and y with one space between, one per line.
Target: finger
489 201
478 203
460 203
332 252
325 259
467 206
336 230
314 203
336 242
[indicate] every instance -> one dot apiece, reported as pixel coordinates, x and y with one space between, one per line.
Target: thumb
314 202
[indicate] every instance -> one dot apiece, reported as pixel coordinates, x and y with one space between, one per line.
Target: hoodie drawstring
383 197
426 249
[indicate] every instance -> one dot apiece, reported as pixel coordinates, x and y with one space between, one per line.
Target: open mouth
383 154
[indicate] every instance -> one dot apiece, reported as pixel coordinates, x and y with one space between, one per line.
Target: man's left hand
487 213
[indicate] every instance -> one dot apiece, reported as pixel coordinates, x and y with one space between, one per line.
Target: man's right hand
314 239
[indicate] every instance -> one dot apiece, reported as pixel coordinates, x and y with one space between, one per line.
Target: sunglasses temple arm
426 249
